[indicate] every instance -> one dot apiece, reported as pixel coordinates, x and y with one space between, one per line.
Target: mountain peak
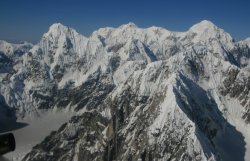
129 25
204 25
247 39
56 28
245 42
206 31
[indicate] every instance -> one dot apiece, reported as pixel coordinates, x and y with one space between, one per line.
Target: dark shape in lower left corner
7 143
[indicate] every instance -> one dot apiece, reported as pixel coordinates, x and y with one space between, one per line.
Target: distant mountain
139 94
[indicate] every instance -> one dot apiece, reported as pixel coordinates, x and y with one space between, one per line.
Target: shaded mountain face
10 57
139 94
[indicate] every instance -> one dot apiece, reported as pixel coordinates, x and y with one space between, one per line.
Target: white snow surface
143 53
35 131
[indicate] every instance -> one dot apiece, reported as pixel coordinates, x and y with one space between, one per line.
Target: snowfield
35 131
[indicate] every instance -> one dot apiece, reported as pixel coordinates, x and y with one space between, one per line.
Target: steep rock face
236 85
10 56
10 61
139 94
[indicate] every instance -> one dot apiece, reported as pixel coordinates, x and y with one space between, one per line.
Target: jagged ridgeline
138 94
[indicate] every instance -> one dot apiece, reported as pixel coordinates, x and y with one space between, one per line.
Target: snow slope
139 93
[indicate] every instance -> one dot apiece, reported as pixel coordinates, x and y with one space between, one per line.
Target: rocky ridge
139 94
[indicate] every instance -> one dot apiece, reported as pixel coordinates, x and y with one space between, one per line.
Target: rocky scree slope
139 94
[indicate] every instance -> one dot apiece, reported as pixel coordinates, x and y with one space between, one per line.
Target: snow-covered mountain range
138 94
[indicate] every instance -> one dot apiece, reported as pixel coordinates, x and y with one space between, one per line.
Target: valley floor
36 130
245 130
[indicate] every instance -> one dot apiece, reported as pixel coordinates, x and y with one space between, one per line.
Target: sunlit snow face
166 81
